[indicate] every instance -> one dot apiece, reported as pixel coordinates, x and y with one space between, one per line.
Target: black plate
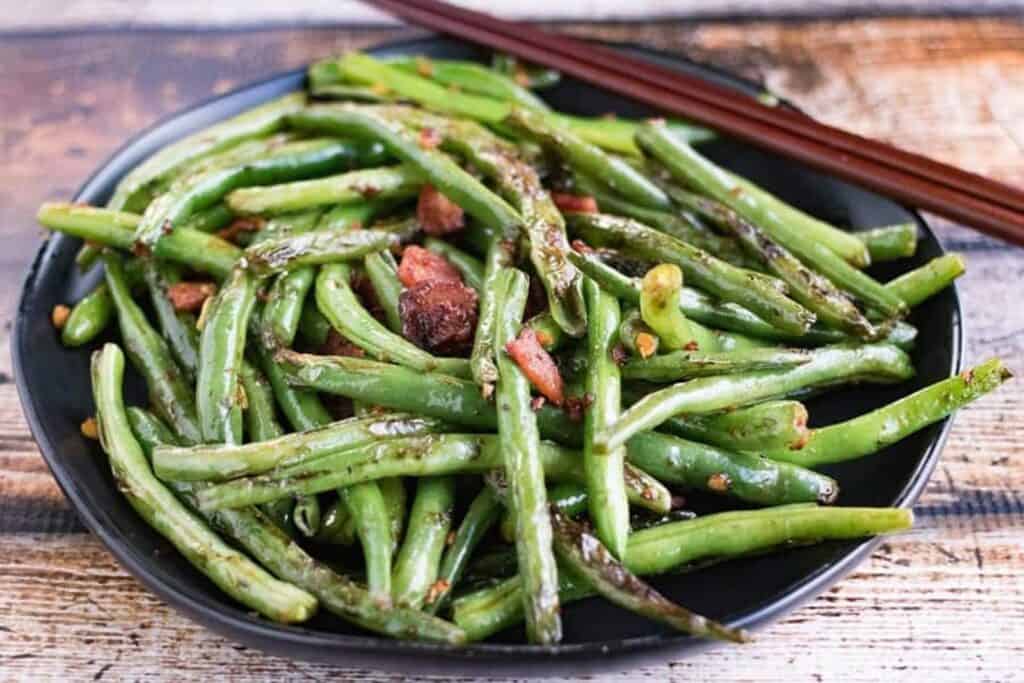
53 383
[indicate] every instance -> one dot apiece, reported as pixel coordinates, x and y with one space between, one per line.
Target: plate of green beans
430 360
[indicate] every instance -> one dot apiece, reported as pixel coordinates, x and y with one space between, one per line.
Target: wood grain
943 603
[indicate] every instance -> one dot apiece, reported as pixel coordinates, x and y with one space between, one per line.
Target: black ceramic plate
54 386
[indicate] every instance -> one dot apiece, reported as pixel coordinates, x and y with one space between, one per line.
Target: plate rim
231 620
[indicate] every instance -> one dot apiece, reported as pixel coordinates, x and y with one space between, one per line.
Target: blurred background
66 14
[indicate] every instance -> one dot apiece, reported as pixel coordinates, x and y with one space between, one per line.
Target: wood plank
944 589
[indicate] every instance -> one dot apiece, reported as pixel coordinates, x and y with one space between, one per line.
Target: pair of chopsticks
985 204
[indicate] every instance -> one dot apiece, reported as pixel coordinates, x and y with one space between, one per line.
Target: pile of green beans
644 326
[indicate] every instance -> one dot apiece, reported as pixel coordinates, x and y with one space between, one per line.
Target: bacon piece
240 225
574 203
537 364
437 214
337 345
439 315
190 296
422 265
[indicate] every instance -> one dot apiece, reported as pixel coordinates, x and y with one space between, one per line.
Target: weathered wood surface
944 603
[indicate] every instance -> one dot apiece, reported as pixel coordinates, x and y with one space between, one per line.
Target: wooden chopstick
957 201
720 96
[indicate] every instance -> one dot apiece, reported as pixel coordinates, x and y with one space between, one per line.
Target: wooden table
943 603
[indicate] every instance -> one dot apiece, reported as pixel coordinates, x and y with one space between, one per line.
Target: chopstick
990 206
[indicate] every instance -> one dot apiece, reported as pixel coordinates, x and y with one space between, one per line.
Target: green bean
260 416
471 78
518 182
306 515
725 281
768 426
206 253
814 291
870 433
337 526
421 456
283 308
336 593
352 216
827 366
169 393
616 135
178 328
922 283
89 317
419 558
291 161
220 358
590 560
433 395
482 359
482 514
358 93
393 490
386 182
313 326
659 307
549 334
210 219
135 189
520 439
682 225
820 246
382 272
469 267
373 527
678 365
219 462
528 75
314 248
438 169
231 571
636 336
890 242
340 306
750 478
609 508
570 498
301 407
664 548
590 159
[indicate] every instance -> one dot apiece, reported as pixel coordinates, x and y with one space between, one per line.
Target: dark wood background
943 603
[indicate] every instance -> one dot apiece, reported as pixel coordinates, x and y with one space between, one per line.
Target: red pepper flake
967 375
574 203
436 590
646 344
429 138
189 297
691 345
141 250
582 247
424 67
537 364
59 316
90 429
719 482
